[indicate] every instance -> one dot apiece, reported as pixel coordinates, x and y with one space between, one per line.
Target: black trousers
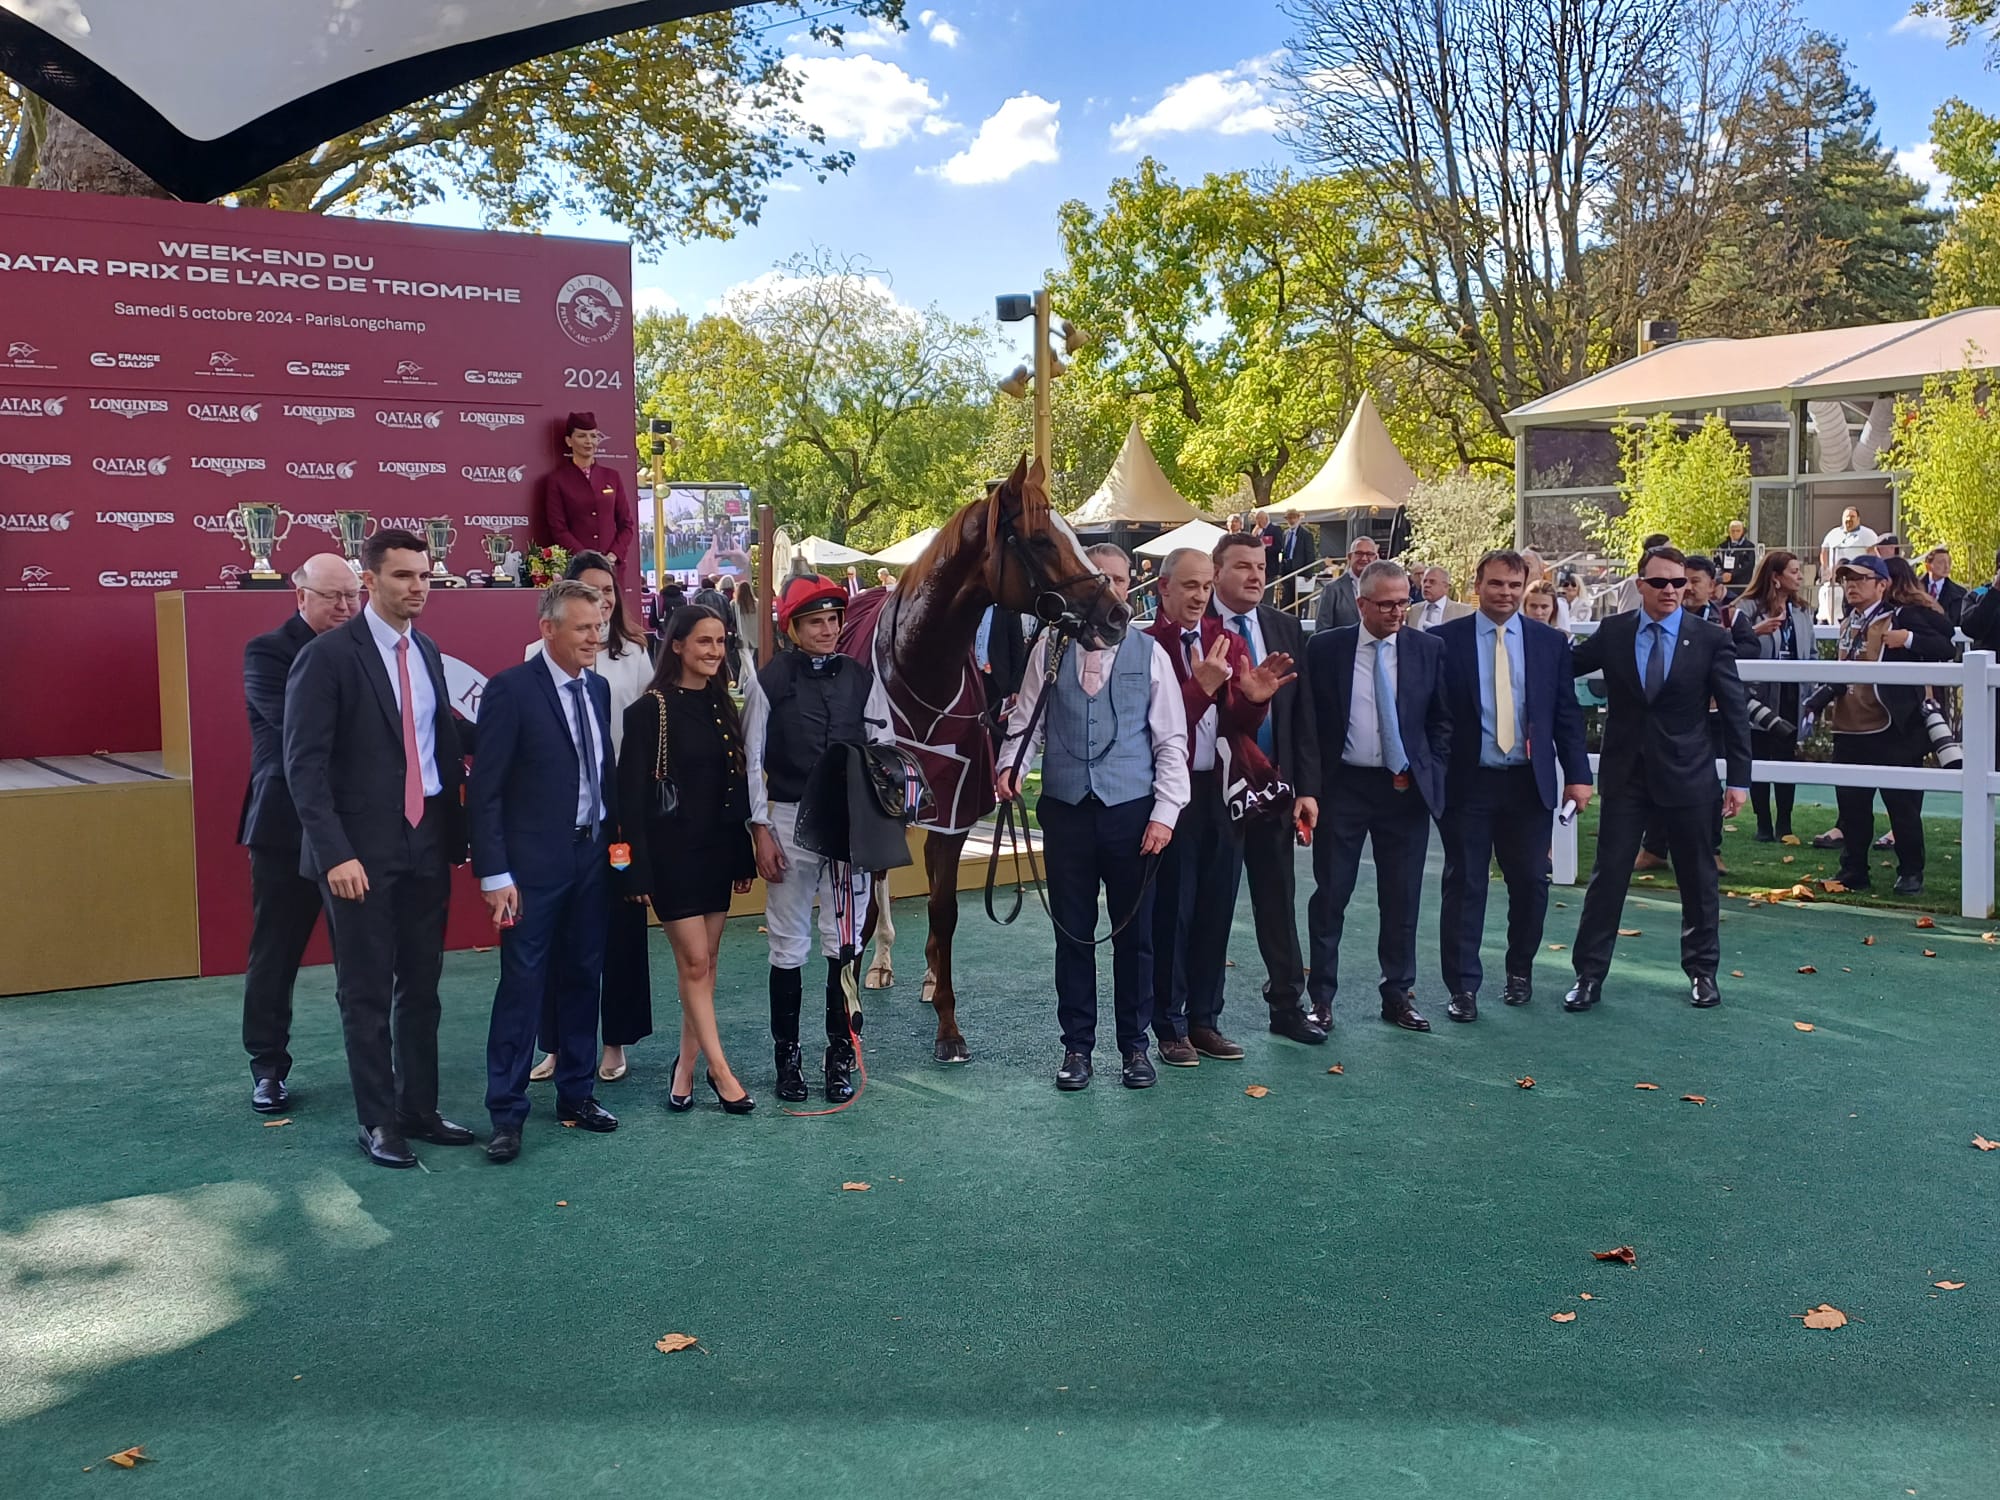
284 906
388 951
625 1010
1363 806
1622 821
558 944
1270 861
1498 813
1192 911
1767 746
1085 845
1857 805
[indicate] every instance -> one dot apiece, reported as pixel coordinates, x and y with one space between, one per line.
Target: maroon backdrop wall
162 362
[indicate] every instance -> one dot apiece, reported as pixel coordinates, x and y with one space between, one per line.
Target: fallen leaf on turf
1256 1091
569 1124
1930 953
760 929
1802 1026
1989 937
1729 828
1562 1317
1735 973
1833 887
130 1458
1807 969
673 1343
1826 1315
854 1187
1787 859
1801 892
1625 1255
562 1203
1790 838
1555 947
1336 1068
1694 1098
1985 1145
1869 941
1525 1083
1926 922
274 1124
1645 877
1629 932
1653 1086
1949 1286
1586 1296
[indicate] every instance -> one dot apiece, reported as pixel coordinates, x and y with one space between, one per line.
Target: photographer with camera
1773 608
1882 726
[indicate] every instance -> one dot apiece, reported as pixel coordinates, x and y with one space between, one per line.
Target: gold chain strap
660 756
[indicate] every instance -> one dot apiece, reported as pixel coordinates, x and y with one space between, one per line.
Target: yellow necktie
1503 695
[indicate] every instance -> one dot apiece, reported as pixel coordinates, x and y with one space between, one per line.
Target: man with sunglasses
1662 668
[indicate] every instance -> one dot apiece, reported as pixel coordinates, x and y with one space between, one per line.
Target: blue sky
972 127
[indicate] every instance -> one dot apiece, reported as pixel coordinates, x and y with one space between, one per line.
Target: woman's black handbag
666 798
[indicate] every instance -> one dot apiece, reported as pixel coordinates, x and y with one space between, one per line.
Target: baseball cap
1866 563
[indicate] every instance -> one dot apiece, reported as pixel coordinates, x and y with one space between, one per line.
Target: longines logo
318 369
319 416
401 469
34 463
492 473
229 468
492 421
220 411
217 523
496 523
131 468
129 406
408 421
589 309
143 578
135 520
32 406
321 520
320 471
222 365
123 361
23 355
37 522
493 377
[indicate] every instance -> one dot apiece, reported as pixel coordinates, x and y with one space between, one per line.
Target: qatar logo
493 377
492 421
36 522
317 369
231 575
319 416
589 309
401 523
36 579
225 411
409 470
229 468
320 471
221 362
34 463
217 524
135 520
408 421
492 473
129 406
32 406
22 355
34 574
408 369
130 468
124 361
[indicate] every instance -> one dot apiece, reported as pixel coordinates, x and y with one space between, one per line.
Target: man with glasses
1334 609
1662 668
284 905
1385 740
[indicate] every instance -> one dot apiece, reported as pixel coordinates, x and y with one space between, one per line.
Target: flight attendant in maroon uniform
584 505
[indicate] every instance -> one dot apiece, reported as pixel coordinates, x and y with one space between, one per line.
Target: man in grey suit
1335 606
1437 605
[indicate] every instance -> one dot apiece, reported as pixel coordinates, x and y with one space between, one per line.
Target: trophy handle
450 537
281 526
369 527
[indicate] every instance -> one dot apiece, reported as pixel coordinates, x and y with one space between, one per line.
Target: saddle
858 804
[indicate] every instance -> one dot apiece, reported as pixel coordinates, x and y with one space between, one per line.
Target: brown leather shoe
1179 1053
1402 1011
1648 860
1211 1043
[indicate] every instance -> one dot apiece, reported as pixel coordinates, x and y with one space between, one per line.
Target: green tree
1967 19
1967 267
1457 518
1948 443
1685 485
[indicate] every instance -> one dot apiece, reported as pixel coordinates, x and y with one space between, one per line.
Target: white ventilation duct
1839 452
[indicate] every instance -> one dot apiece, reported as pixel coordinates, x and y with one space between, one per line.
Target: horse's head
1037 566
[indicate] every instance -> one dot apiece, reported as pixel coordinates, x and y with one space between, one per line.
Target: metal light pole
1044 435
1015 307
659 430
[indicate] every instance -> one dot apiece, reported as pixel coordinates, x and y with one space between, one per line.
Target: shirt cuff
498 882
1166 814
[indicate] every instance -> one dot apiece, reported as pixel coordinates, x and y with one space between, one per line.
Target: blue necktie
1265 740
584 759
1385 713
1656 662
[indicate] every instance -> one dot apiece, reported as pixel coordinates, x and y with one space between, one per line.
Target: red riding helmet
808 594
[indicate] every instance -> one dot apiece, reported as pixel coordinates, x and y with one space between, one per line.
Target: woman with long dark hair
684 807
1773 604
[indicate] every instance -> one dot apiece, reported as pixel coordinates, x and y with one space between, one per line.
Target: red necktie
413 770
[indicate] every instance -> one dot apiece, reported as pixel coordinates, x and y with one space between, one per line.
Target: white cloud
654 299
1233 101
876 35
774 287
872 103
1015 136
1920 161
1937 28
944 33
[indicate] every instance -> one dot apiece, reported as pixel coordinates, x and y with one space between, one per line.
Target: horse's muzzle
1105 626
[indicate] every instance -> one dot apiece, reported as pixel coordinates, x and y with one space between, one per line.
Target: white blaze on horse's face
1105 614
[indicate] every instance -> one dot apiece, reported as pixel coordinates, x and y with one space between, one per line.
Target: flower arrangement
546 564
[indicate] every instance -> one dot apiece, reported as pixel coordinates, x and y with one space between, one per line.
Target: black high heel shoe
741 1106
680 1104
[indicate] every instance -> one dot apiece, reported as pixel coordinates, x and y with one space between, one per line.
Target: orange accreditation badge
621 856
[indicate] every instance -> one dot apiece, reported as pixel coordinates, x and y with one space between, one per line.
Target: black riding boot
787 996
840 1062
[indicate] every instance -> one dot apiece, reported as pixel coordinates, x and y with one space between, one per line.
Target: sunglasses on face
1664 583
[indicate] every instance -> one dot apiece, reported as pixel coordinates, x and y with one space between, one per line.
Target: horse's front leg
882 971
941 851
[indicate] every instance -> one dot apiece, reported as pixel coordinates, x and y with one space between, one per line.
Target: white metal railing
1974 781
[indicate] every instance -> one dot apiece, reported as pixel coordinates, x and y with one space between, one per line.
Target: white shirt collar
556 670
386 635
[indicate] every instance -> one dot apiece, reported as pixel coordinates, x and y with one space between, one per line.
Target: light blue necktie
586 761
1266 741
1385 714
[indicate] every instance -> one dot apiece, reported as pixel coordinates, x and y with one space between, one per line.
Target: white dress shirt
589 797
1164 722
1203 758
423 698
627 676
1431 614
1363 746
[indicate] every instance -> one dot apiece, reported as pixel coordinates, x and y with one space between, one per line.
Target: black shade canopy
206 95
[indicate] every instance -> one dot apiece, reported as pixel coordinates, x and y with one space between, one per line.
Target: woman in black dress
684 743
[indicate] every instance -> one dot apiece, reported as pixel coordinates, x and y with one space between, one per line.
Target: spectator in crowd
1298 547
885 579
1233 523
1842 543
854 583
750 624
713 597
1538 603
1438 605
1572 599
1273 537
1335 607
1888 545
1734 560
1773 607
1941 586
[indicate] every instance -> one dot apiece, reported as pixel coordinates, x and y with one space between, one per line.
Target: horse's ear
1020 474
1035 490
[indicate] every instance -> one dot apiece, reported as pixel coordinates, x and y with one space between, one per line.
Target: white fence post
1976 811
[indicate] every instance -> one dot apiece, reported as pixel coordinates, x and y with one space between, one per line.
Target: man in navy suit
284 905
1385 737
1512 695
543 804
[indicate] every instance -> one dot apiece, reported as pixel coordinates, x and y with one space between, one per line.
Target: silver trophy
353 527
260 528
441 535
498 545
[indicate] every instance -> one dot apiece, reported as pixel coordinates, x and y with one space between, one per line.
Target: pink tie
1093 674
413 770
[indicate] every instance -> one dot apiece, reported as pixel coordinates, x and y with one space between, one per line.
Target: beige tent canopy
1201 535
1136 490
1364 474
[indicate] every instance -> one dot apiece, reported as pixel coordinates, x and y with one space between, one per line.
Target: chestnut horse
1009 549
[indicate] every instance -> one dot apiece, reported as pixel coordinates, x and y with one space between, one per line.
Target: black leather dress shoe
1321 1016
386 1148
1463 1007
840 1065
589 1115
1520 989
437 1130
269 1096
1138 1071
1402 1011
504 1146
791 1072
1703 992
1584 994
1074 1073
1909 885
1295 1024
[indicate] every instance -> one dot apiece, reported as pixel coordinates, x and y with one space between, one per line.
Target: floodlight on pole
1016 384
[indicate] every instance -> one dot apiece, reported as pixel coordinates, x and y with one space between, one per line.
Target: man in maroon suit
1226 697
584 504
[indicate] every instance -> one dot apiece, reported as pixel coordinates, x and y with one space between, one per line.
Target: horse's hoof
878 977
953 1051
928 994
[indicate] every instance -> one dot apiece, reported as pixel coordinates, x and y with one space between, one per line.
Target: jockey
804 700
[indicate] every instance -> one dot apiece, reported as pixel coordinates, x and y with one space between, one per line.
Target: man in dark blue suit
543 803
1385 738
1512 695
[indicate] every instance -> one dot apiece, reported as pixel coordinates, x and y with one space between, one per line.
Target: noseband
1052 605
